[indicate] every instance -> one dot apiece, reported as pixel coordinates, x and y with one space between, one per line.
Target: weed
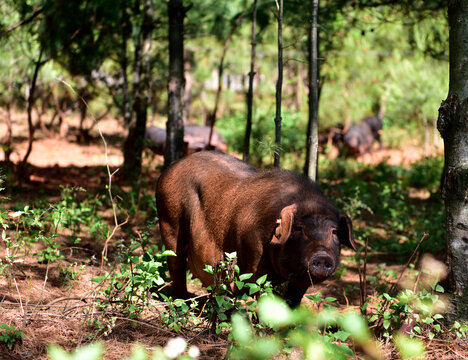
10 336
231 292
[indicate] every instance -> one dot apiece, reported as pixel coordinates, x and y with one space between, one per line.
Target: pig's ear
284 224
345 232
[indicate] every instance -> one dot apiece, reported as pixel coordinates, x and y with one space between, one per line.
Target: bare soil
34 299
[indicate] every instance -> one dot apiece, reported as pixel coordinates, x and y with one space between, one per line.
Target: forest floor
35 300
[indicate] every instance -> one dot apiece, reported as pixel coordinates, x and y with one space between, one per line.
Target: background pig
279 223
195 139
359 139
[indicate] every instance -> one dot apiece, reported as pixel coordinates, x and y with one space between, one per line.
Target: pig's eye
334 232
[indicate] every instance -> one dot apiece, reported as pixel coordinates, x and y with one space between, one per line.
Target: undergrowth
134 284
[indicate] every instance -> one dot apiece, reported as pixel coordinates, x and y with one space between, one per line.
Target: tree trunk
453 126
279 86
176 84
212 119
311 162
7 144
126 106
133 147
248 125
32 88
188 86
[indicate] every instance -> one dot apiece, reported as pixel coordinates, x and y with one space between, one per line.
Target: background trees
67 67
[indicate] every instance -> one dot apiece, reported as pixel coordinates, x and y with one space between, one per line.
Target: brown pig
279 223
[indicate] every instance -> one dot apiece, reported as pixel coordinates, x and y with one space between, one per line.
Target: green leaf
231 255
139 353
220 300
168 253
261 279
55 352
88 352
253 288
341 335
208 269
239 284
356 325
409 348
330 299
274 311
439 288
241 330
267 348
243 277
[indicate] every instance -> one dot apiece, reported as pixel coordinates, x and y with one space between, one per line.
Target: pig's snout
321 266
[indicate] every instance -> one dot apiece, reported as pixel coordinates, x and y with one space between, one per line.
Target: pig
195 139
280 223
359 139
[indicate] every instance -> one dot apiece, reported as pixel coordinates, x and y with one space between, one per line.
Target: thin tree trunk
299 87
61 114
311 163
176 84
453 126
126 106
7 148
134 143
7 144
188 86
31 127
248 126
214 113
279 86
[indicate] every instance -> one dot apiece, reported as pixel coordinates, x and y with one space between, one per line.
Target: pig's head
307 242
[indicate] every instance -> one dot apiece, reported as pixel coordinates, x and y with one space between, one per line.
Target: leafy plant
299 330
70 273
231 292
131 286
51 252
10 336
175 348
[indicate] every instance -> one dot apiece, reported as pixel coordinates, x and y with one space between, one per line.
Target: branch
22 22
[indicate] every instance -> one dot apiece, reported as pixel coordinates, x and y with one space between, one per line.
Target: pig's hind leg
177 264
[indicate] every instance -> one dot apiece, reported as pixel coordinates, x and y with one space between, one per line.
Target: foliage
131 286
10 336
231 292
380 201
176 348
301 331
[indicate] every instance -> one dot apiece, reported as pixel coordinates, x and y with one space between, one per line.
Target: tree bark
7 144
279 86
134 144
248 125
32 89
176 84
453 126
311 163
214 113
126 106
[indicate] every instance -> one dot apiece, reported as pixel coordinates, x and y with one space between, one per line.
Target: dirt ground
35 301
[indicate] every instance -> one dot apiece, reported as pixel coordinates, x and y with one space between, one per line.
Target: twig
363 278
407 263
110 175
387 302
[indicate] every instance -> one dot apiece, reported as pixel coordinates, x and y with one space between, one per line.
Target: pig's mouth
320 267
